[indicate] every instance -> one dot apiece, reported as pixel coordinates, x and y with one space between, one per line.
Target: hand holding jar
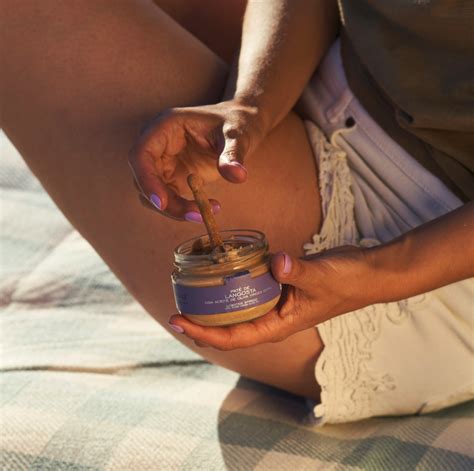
315 289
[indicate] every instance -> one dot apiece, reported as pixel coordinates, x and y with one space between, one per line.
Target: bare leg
79 80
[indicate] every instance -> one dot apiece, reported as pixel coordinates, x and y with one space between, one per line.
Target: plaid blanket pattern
89 382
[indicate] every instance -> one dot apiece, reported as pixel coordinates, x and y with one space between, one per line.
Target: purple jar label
239 291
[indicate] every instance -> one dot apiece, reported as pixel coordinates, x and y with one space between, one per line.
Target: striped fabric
90 382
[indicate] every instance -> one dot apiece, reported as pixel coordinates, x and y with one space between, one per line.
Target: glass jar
214 288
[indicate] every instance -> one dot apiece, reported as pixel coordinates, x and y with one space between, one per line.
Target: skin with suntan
90 92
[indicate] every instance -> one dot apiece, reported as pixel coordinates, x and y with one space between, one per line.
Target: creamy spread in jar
222 287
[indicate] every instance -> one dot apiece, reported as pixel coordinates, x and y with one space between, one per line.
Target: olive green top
411 64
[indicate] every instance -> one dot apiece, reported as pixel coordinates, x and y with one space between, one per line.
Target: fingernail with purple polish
238 165
193 216
156 201
287 264
178 329
216 208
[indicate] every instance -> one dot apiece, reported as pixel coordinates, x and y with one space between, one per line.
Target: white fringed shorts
413 356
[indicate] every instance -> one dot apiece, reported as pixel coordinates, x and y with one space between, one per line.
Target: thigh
78 84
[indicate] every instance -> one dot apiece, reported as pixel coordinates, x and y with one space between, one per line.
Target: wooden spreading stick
195 183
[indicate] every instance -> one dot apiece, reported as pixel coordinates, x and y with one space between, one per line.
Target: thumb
232 157
292 271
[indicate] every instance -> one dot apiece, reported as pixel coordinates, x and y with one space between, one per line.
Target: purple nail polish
176 328
287 264
156 201
193 216
238 165
216 208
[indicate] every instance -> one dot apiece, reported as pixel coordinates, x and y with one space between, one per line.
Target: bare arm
433 255
282 43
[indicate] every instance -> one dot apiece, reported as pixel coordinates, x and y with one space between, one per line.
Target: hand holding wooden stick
195 183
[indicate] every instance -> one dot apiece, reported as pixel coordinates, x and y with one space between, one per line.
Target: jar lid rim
258 239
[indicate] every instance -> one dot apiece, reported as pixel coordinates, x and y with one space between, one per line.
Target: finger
145 173
176 206
293 271
268 328
145 203
215 205
149 158
187 210
149 167
193 212
231 160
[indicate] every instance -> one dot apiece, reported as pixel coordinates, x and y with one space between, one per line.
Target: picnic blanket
90 382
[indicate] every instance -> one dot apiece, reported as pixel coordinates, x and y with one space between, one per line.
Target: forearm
282 43
433 255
